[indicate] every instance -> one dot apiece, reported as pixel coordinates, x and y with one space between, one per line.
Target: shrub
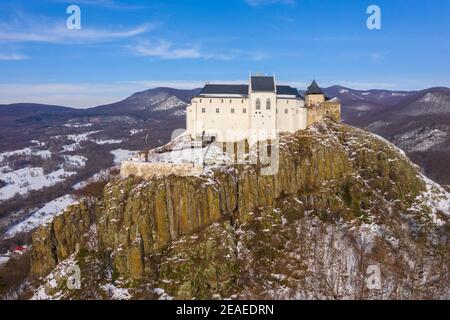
91 190
14 273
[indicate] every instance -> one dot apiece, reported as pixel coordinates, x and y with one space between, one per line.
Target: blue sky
125 46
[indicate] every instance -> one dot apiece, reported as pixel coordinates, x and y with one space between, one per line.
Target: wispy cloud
12 57
58 33
31 28
110 4
378 56
166 50
260 3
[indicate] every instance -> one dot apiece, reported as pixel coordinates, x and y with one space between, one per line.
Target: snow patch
116 293
121 155
41 216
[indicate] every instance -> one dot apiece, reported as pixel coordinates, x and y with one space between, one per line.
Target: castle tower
314 96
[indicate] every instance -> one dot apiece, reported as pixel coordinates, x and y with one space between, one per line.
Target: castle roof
287 90
314 89
240 89
262 83
258 83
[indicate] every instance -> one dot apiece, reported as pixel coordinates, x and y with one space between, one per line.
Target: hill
342 200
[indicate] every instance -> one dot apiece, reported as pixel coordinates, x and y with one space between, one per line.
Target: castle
229 112
226 113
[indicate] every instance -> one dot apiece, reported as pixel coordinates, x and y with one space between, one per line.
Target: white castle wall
239 117
148 170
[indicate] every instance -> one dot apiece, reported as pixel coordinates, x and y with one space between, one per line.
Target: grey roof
241 89
260 83
314 89
287 90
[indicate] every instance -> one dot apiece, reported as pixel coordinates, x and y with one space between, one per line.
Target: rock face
342 199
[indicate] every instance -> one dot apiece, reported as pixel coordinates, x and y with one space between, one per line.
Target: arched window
258 104
268 104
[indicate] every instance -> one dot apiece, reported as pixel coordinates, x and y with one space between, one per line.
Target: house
255 111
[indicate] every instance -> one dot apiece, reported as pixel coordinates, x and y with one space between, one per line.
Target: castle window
222 100
268 104
217 110
242 101
287 101
210 100
285 110
203 110
244 110
232 110
258 104
230 100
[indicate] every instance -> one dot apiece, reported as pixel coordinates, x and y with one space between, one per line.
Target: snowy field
41 216
24 180
45 154
121 155
3 259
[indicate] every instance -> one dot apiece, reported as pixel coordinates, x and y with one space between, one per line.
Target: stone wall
148 170
330 109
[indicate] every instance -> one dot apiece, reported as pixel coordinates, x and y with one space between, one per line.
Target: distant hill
158 101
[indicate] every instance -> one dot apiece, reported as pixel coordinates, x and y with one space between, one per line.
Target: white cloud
60 34
34 28
259 3
12 57
377 56
166 50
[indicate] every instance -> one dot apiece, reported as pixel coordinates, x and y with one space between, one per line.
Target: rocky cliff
342 200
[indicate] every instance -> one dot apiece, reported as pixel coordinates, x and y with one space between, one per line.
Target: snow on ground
3 259
181 152
179 113
121 155
110 141
81 136
393 146
421 139
76 161
103 174
5 169
165 102
59 274
41 216
135 131
77 138
24 180
208 154
116 293
25 151
435 197
77 125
